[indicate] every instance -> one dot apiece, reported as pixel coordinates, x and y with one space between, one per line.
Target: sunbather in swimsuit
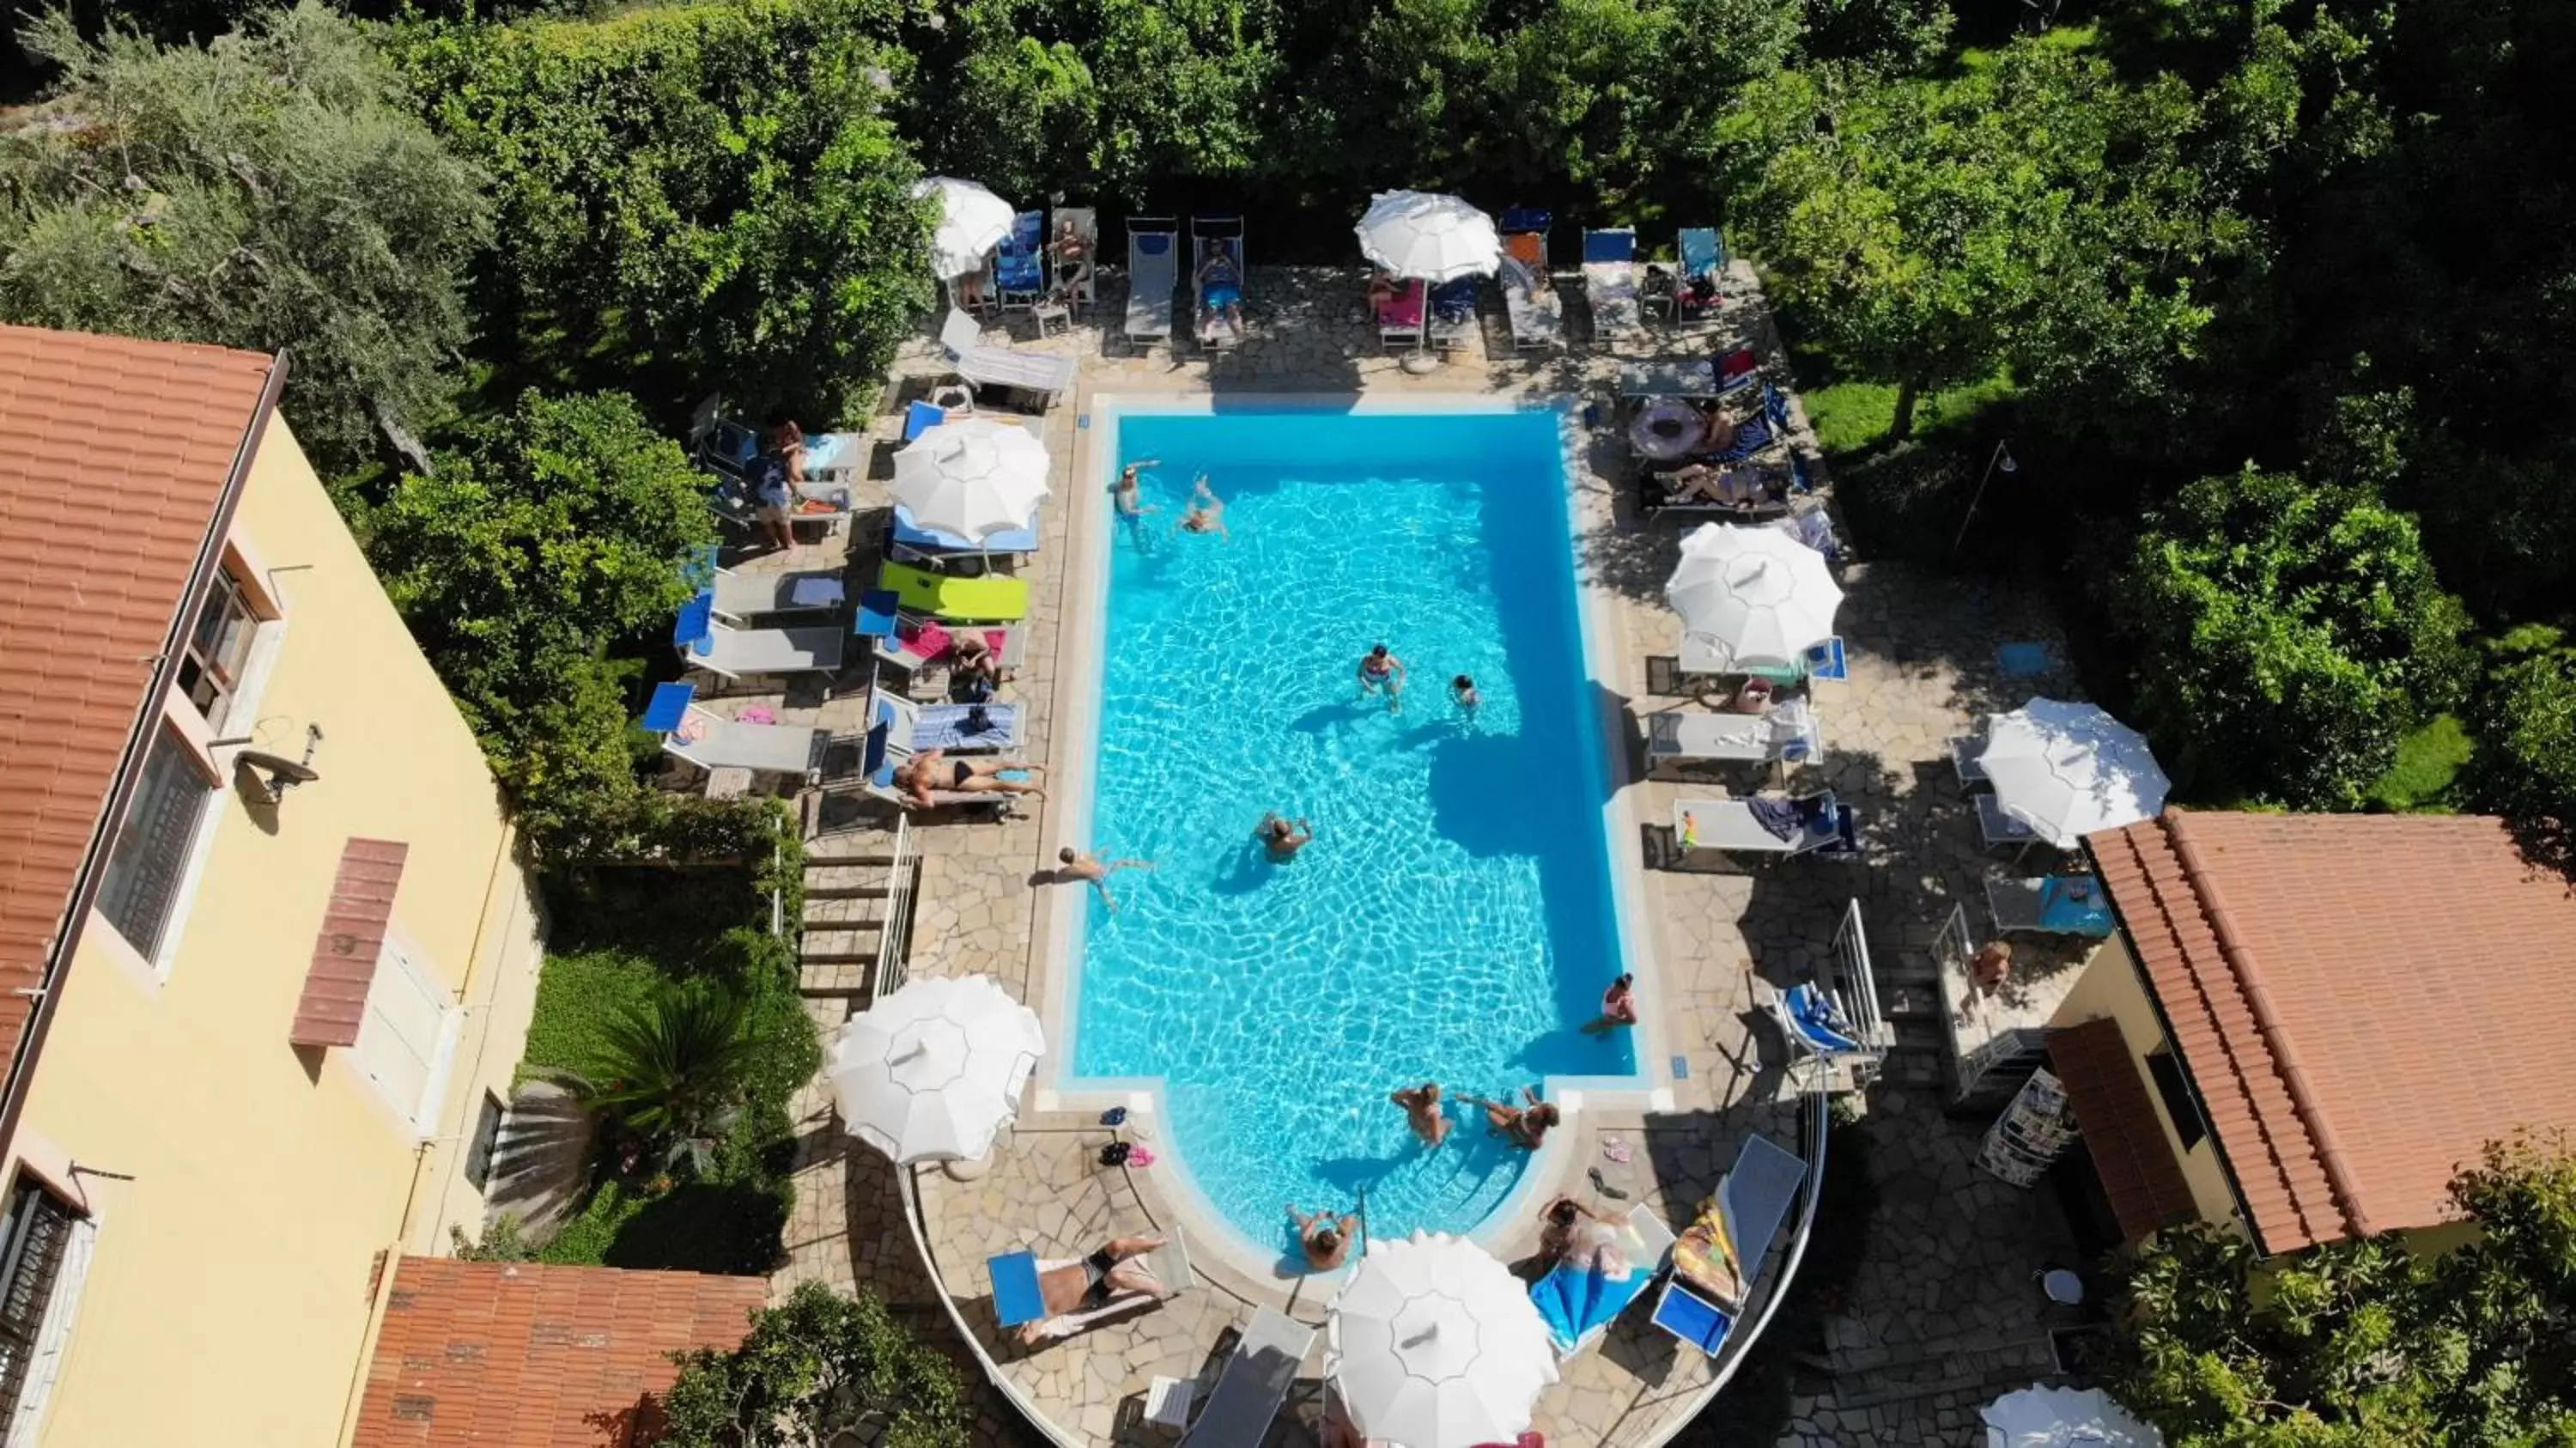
1094 1283
966 776
1221 285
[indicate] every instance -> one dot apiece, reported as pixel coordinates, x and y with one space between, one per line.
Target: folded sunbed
986 598
1610 280
1719 1257
1047 375
735 653
1253 1383
1153 270
1816 824
1578 1303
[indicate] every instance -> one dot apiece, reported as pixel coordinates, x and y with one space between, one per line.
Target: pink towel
930 640
1404 310
758 714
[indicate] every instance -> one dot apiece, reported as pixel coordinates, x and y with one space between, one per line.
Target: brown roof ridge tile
2268 1024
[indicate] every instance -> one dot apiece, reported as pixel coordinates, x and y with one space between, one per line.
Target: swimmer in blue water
1130 498
1283 837
1381 670
1462 692
1207 511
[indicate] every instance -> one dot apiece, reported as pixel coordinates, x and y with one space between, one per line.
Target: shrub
818 1368
2525 767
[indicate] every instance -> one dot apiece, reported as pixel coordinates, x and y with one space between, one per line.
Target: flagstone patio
1955 1256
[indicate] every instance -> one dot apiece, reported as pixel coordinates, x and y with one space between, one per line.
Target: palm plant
669 1071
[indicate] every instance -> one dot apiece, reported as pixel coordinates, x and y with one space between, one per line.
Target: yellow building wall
2111 986
228 1300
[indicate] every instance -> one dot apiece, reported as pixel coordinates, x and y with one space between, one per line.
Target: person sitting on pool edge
1326 1238
1380 669
1282 838
1573 1235
1422 1110
1207 511
1094 1282
1523 1127
932 770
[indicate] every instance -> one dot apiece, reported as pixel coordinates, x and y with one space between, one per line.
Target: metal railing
896 932
1855 988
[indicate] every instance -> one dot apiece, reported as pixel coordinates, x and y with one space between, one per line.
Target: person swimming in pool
1325 1237
1207 511
1422 1112
1462 691
1380 669
1282 837
1130 498
1524 1127
933 770
1221 285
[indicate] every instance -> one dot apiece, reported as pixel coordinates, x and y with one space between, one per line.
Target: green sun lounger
985 598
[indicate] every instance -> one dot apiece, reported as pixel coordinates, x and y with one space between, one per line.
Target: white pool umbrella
1434 1344
2064 1418
933 1071
1430 236
1759 597
972 221
973 478
2067 770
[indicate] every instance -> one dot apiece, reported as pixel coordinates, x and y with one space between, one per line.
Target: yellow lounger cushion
990 598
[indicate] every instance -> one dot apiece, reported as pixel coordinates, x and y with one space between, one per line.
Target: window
408 1036
212 660
152 846
35 1237
487 1138
2176 1092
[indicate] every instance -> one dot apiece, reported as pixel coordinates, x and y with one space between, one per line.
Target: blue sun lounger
1703 260
1019 266
1751 1203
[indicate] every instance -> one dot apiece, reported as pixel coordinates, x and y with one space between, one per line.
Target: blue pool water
1453 920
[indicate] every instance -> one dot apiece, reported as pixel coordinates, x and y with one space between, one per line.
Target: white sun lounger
1678 736
735 653
1610 280
1536 312
1047 375
1016 1287
894 650
1998 828
1728 826
1153 271
711 741
914 728
743 596
1254 1382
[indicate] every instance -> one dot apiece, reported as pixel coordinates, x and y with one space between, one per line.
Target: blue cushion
1525 218
876 616
920 418
1693 1319
2021 661
670 704
1017 1297
1609 246
1152 243
1828 661
697 620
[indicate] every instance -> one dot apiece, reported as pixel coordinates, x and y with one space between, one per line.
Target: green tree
2365 1343
2287 635
709 194
2524 717
813 1368
2032 214
270 190
547 535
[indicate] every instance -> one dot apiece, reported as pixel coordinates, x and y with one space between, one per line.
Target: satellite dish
281 774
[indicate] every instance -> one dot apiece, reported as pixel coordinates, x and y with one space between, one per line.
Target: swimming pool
1455 917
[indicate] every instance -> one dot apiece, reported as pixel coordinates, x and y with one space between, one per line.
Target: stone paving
1943 1294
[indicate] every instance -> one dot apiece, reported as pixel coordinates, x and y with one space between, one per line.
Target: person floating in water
1326 1238
1462 691
1422 1109
1381 670
1523 1127
1283 838
1131 498
1207 511
1073 864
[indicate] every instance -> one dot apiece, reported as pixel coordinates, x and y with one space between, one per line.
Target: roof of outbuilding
2362 1001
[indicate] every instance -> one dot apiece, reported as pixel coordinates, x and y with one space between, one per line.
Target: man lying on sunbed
932 770
1093 1283
1221 289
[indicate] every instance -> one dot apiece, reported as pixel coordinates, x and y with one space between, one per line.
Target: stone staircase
858 913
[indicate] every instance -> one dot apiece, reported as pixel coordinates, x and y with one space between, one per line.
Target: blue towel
1781 818
1017 1296
1454 301
1751 436
1818 1021
1573 1301
1692 1319
944 726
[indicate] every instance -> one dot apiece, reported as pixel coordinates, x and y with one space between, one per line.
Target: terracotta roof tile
114 454
351 940
2363 1001
499 1353
2122 1132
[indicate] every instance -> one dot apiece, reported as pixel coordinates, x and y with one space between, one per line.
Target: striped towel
943 726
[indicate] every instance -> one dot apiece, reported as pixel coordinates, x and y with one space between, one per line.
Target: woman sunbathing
933 770
1094 1283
